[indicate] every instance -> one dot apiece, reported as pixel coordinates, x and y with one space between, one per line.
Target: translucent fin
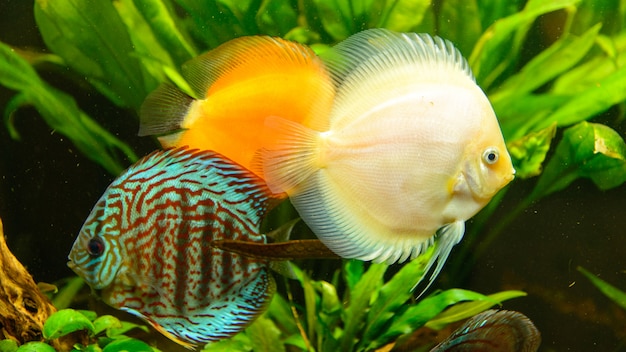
495 331
370 52
163 111
448 237
293 157
238 85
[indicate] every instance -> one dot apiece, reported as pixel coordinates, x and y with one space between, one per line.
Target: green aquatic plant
552 105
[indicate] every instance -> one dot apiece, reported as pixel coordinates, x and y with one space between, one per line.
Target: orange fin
238 85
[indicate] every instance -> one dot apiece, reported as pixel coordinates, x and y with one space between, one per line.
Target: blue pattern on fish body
146 245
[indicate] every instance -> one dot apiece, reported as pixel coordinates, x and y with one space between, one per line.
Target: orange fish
235 88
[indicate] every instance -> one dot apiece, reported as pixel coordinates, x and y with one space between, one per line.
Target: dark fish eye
490 156
95 247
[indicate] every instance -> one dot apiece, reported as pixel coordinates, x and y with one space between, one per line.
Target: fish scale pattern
156 222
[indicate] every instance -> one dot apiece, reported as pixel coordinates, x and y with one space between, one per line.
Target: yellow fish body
413 150
235 87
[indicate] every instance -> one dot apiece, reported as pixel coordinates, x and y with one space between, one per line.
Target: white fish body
413 148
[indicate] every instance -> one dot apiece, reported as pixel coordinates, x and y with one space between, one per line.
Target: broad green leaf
403 15
491 11
588 150
105 322
115 332
90 314
265 336
469 309
459 22
616 295
336 18
92 39
276 17
64 322
529 152
214 21
360 298
60 112
128 344
494 51
415 316
280 312
165 29
392 296
230 345
35 347
8 345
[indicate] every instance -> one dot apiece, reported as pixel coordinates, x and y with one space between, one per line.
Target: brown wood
23 308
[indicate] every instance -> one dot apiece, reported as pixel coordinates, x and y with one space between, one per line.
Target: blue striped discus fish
146 245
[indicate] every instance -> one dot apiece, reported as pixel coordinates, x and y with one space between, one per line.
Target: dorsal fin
237 86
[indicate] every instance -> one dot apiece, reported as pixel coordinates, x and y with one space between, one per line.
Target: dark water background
47 189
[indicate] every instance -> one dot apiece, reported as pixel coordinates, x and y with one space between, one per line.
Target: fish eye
95 247
490 156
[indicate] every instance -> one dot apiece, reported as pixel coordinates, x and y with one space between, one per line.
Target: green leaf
128 344
239 343
336 18
495 51
360 297
391 297
92 40
587 150
8 345
459 22
105 322
165 29
60 112
35 347
66 294
353 271
64 322
265 336
613 293
280 312
403 15
469 309
550 63
529 152
276 17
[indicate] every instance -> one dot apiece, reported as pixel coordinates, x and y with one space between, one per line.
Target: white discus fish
411 151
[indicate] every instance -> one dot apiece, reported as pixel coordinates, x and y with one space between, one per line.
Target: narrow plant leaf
550 63
336 18
465 310
64 322
165 29
359 301
392 296
280 312
588 150
493 52
60 112
415 316
66 294
92 40
353 271
529 152
613 293
596 99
